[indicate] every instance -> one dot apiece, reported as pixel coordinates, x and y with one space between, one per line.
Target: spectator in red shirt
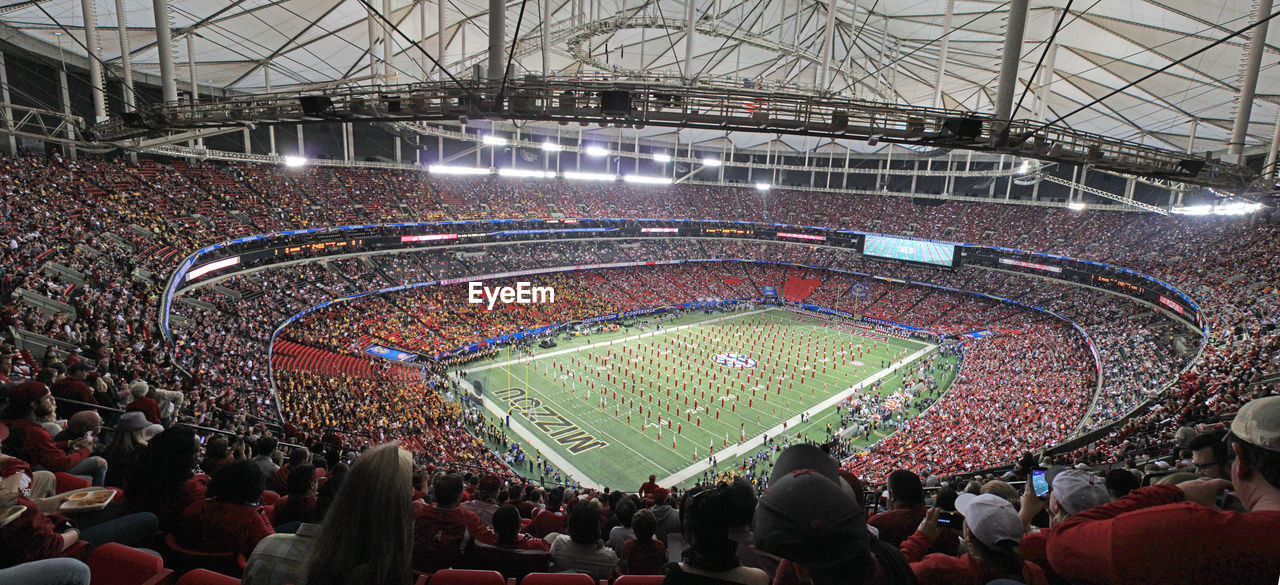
906 503
442 531
299 505
367 535
143 403
279 481
532 503
231 519
1071 491
166 482
217 452
550 520
28 440
73 386
516 554
1176 534
648 487
993 532
644 554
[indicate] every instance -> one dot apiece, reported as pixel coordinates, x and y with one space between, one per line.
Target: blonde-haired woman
367 534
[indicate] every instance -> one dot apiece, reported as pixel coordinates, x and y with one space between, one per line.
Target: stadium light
492 140
550 146
1076 206
448 170
711 162
596 151
1236 208
527 173
661 157
763 186
574 176
1025 167
295 161
647 180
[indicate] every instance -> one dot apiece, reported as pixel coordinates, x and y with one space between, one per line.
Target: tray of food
87 499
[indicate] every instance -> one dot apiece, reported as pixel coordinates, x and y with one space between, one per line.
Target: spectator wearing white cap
1071 491
1175 534
993 532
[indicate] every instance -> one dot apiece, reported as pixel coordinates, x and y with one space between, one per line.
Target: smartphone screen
1039 483
950 519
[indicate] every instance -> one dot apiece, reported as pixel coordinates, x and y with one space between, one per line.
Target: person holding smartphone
1175 533
1062 492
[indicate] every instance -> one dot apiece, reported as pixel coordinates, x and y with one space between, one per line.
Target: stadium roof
882 49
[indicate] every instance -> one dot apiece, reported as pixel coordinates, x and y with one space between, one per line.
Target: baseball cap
660 495
990 518
27 392
1258 423
812 520
1077 491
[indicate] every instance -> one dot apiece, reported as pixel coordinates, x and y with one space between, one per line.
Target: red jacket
73 389
30 442
30 537
147 407
441 535
215 527
1153 535
1034 549
940 569
547 522
896 526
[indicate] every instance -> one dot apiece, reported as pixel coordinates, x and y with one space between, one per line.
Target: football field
611 411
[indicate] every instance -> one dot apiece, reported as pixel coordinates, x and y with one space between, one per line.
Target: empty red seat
466 577
183 559
206 577
117 564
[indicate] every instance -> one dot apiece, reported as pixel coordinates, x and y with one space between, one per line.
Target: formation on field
671 397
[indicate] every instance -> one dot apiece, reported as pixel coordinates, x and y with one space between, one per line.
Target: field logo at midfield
549 421
733 360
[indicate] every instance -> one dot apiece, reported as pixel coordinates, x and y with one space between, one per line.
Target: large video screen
909 250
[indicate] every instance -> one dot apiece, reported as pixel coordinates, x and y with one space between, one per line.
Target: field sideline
614 411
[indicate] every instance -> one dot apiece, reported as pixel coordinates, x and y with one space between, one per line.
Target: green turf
559 379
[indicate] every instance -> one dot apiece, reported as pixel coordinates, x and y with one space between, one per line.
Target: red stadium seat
117 564
206 577
183 559
556 579
466 577
640 580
